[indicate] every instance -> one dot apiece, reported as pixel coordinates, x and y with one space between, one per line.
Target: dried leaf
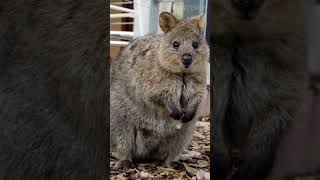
189 169
203 175
198 135
202 163
121 177
167 169
190 155
144 175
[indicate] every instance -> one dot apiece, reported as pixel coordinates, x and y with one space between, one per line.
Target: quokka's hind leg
122 131
124 147
174 145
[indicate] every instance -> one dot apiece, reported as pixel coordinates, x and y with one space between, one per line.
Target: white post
122 15
119 8
122 33
119 43
146 17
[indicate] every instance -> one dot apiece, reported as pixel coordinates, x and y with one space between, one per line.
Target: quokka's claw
123 165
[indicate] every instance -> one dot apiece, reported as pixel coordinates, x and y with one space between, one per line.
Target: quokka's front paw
188 115
124 165
175 112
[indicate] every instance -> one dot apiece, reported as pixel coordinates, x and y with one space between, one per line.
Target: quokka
157 83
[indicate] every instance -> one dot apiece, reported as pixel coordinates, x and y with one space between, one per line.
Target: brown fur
151 87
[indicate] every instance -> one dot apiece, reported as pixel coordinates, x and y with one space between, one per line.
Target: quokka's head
183 47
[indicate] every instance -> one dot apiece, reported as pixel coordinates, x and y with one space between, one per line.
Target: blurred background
299 156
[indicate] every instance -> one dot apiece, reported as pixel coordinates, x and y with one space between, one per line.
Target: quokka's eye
195 44
176 44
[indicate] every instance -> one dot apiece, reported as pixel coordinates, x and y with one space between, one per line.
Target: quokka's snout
187 59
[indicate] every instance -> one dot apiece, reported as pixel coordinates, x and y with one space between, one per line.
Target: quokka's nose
186 59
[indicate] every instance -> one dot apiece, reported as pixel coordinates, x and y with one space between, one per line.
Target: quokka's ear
199 20
167 21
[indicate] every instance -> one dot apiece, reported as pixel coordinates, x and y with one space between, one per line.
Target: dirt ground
195 160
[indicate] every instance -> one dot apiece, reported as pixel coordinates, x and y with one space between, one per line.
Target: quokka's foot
124 165
177 165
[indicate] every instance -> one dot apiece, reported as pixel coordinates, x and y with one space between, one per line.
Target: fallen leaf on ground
203 175
189 169
202 163
190 155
